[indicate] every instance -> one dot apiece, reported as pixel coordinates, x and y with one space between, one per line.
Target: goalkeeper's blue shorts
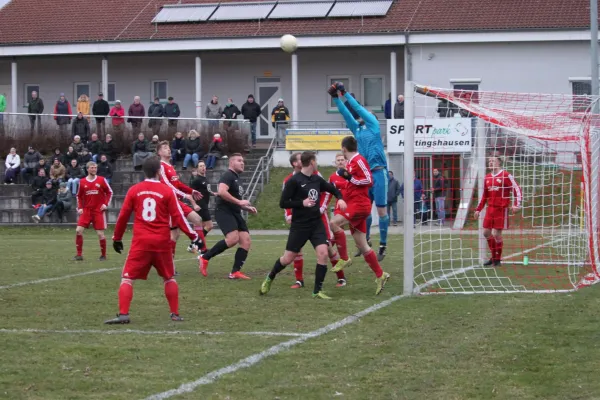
378 192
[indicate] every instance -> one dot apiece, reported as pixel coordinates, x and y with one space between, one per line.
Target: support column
409 189
198 102
104 77
295 115
13 86
393 82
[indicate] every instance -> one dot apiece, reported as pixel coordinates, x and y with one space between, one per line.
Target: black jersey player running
301 193
200 183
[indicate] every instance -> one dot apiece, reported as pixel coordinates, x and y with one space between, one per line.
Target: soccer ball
288 43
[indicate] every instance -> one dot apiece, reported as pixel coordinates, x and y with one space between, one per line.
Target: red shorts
139 262
325 220
95 217
496 218
187 210
356 216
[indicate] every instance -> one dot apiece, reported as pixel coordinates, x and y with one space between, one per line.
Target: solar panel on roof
301 9
360 8
185 13
242 11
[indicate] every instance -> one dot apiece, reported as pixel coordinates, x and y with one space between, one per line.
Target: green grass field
450 347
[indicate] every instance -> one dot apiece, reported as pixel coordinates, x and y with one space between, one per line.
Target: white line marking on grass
142 332
256 358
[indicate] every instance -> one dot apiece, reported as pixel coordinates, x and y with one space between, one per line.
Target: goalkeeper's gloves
333 91
118 246
344 173
341 88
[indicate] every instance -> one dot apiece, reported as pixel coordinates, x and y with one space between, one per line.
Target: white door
268 90
6 91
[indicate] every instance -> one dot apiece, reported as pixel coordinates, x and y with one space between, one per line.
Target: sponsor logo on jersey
91 192
313 195
241 190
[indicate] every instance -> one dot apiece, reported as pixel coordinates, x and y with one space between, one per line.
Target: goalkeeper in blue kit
368 135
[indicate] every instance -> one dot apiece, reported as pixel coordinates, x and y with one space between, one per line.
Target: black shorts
300 235
230 221
204 213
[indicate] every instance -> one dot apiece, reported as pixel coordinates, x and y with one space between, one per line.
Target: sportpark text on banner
432 135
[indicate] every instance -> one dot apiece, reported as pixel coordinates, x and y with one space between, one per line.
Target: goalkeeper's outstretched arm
370 120
350 121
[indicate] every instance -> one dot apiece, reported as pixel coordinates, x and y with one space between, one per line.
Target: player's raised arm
350 121
517 193
287 195
123 218
370 120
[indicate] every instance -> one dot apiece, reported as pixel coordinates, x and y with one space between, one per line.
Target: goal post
548 150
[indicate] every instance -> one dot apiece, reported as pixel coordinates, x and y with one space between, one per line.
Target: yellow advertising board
315 140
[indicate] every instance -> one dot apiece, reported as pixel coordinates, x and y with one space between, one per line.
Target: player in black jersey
200 183
229 218
301 193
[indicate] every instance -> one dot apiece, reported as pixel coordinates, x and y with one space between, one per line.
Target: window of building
159 89
464 87
583 90
30 87
345 79
111 94
373 92
79 89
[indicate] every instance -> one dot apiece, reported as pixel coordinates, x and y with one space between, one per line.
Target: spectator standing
153 144
2 109
94 146
42 165
48 200
193 149
38 184
424 211
100 109
117 113
387 108
177 148
74 175
393 193
251 112
172 111
136 109
104 169
58 172
108 148
13 166
63 112
439 195
418 192
83 107
140 151
64 201
81 128
214 112
399 108
446 109
231 111
71 154
157 112
279 117
31 160
214 152
35 106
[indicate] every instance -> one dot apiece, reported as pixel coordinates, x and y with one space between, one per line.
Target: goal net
541 209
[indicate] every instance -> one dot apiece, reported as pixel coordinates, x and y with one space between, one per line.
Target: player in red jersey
169 177
334 257
93 198
356 195
155 209
498 186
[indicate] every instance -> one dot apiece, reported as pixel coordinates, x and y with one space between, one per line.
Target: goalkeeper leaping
368 135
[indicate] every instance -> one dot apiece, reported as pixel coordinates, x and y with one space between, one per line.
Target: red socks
173 247
79 244
200 233
172 295
499 246
103 247
298 267
371 259
334 260
340 240
491 241
125 296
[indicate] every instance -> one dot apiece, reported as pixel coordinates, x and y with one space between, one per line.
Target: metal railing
261 174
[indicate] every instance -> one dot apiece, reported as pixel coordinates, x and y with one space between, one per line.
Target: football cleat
341 283
381 254
265 287
489 262
321 295
176 317
239 275
297 285
381 281
497 263
121 319
203 265
341 264
77 258
192 249
102 258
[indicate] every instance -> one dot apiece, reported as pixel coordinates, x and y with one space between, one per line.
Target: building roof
70 21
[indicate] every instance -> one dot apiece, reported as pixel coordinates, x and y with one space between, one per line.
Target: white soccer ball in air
288 43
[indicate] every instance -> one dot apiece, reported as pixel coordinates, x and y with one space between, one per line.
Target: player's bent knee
382 210
232 238
194 218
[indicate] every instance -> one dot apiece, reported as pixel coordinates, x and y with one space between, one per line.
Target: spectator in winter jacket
418 192
83 106
71 154
140 152
37 185
399 108
214 112
392 197
214 151
94 147
63 112
439 195
231 111
64 200
153 144
74 175
279 117
57 155
157 112
13 166
2 109
177 148
193 150
117 113
81 128
172 111
251 112
104 168
58 172
48 200
35 106
77 144
387 108
31 160
84 158
42 165
136 109
108 148
100 109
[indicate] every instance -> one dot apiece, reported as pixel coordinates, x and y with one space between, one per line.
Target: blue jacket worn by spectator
418 188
